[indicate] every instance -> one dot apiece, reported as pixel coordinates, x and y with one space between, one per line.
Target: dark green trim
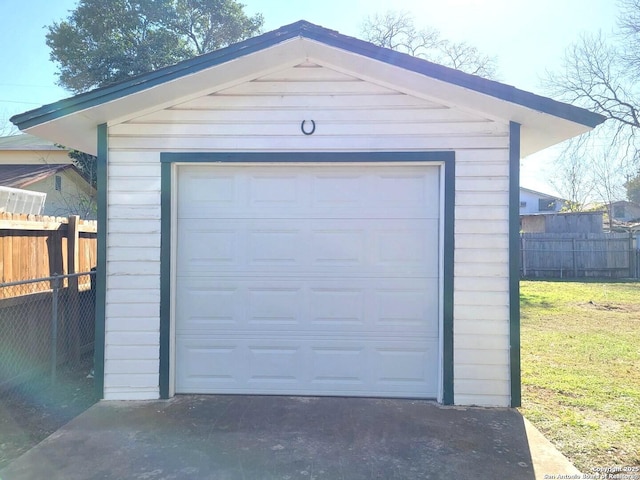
448 158
448 279
514 262
306 157
165 278
319 34
101 270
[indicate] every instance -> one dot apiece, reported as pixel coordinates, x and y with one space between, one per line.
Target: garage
308 279
305 213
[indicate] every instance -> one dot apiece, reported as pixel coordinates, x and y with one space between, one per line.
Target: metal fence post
54 327
523 255
573 257
632 257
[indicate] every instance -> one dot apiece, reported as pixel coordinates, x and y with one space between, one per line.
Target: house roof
24 141
21 176
74 121
540 194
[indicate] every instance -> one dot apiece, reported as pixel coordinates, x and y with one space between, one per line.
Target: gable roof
73 121
21 176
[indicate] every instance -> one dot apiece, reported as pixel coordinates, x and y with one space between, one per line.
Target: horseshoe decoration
308 132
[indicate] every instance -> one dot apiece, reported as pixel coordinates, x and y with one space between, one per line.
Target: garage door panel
344 365
366 247
391 306
401 366
337 244
336 309
206 361
274 246
272 305
205 249
339 190
198 212
308 279
271 189
202 186
408 189
271 192
204 307
306 366
273 363
405 247
405 309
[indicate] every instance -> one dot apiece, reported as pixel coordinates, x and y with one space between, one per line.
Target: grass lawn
581 368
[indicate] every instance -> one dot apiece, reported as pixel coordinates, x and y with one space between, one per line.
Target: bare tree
6 127
572 181
602 73
397 31
608 180
79 203
587 172
629 24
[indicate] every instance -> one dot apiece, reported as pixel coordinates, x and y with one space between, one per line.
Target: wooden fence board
575 255
37 247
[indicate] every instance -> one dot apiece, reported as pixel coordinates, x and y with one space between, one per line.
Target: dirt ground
31 412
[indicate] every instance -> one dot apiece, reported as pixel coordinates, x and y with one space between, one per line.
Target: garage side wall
133 276
265 115
481 281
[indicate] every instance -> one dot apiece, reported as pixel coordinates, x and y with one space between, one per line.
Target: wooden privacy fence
575 255
39 247
47 304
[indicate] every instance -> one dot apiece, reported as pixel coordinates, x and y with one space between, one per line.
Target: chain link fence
46 325
46 358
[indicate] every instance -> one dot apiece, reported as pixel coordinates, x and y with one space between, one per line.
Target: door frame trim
169 163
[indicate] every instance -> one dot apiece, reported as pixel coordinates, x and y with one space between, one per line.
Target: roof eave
323 35
145 81
581 119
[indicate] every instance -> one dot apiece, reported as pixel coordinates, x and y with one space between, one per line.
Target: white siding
133 276
351 115
481 304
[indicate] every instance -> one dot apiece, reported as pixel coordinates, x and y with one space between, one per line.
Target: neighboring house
23 149
16 200
538 202
304 213
68 192
47 169
569 222
624 211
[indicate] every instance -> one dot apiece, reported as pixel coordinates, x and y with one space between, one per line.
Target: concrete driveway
254 437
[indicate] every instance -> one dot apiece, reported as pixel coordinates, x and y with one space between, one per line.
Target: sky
527 37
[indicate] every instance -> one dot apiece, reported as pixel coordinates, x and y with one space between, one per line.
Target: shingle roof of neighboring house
21 176
74 121
24 141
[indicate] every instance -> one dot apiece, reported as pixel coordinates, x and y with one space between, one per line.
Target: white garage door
314 280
